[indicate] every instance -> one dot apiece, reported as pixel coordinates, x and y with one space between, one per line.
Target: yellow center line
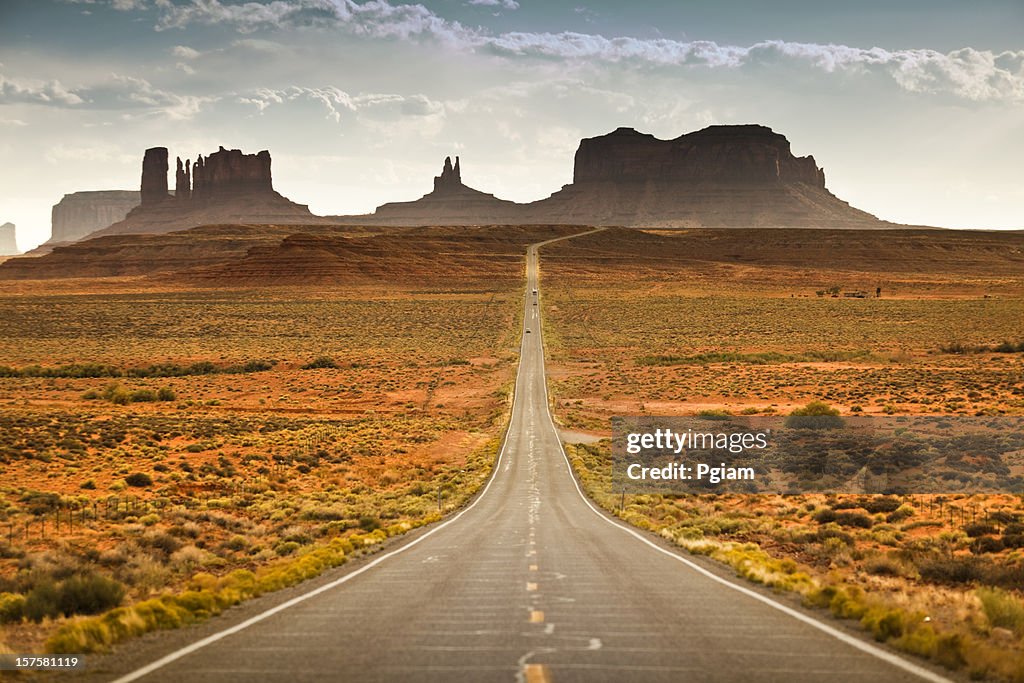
533 567
536 617
531 586
537 673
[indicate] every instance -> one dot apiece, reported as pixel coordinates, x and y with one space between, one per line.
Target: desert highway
528 583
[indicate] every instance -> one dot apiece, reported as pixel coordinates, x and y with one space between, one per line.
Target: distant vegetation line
1003 347
82 370
760 358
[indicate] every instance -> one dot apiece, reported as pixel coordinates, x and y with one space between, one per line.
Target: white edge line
208 640
853 641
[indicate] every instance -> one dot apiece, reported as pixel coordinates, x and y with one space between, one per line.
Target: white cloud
116 93
185 52
337 103
36 92
970 74
17 123
507 4
129 93
375 18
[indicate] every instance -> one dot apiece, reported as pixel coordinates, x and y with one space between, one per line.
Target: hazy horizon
913 109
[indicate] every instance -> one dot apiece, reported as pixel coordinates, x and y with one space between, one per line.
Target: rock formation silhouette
224 187
154 176
451 202
8 240
721 176
81 213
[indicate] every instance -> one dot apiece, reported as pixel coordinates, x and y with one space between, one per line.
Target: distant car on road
527 332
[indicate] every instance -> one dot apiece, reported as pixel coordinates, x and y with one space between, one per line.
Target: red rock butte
227 186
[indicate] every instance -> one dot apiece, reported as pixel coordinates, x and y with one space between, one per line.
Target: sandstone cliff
224 187
8 243
721 176
81 213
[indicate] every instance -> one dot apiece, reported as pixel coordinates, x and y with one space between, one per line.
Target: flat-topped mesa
716 155
8 240
450 178
80 213
154 176
229 173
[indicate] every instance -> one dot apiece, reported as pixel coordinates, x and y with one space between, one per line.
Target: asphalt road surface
529 583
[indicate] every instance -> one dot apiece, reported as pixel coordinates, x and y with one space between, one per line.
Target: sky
914 108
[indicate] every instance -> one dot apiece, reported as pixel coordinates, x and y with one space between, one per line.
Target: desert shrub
854 519
138 479
880 504
833 534
846 602
884 623
899 514
12 607
814 415
117 394
143 396
323 362
883 565
949 569
949 650
714 414
1002 609
42 601
165 394
1013 540
87 593
251 366
165 543
986 544
90 593
286 548
954 347
368 523
824 516
977 529
236 543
